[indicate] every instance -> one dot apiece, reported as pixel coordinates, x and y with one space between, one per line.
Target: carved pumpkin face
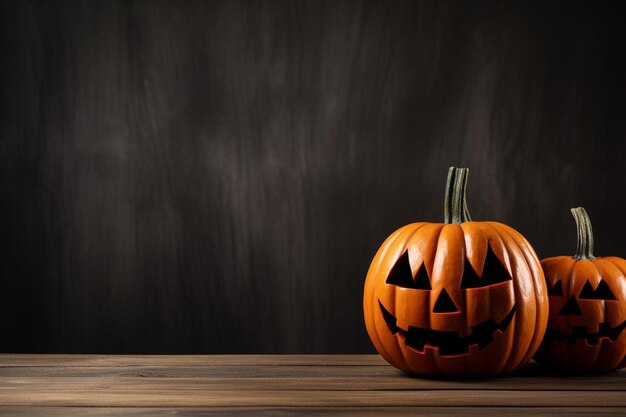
455 299
587 311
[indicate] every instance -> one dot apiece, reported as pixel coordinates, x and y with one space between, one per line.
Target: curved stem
455 205
584 247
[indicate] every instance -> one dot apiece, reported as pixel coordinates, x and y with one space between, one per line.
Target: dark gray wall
216 176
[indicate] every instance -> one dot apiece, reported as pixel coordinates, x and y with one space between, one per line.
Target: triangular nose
571 308
444 303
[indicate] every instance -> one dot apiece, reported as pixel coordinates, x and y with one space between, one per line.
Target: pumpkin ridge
572 281
410 232
601 352
408 243
370 290
503 241
467 319
403 359
441 241
570 274
473 229
519 242
616 262
608 262
542 309
436 236
437 228
438 246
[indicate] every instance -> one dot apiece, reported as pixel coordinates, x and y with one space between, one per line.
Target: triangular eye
602 292
493 273
402 276
587 293
556 290
470 278
422 280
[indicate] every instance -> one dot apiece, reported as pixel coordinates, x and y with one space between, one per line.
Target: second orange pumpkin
587 307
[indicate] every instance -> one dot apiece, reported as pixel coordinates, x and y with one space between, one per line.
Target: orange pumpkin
458 298
587 307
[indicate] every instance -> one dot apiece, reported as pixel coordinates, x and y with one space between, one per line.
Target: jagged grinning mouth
448 342
580 332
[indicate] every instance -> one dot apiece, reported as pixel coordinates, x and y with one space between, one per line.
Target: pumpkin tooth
472 349
485 341
615 332
579 332
486 327
593 340
416 338
453 349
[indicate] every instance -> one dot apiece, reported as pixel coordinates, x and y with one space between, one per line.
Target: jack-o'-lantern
456 298
587 307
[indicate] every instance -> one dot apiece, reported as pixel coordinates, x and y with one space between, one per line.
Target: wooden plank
369 383
301 377
312 412
146 397
188 360
303 384
206 371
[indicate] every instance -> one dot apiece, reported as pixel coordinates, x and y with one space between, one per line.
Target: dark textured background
216 176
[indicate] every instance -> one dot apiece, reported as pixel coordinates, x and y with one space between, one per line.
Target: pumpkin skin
587 308
456 298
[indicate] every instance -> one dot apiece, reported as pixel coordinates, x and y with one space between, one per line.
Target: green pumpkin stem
584 248
455 205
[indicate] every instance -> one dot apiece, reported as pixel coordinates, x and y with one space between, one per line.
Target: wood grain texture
215 176
313 411
271 372
28 360
274 385
133 397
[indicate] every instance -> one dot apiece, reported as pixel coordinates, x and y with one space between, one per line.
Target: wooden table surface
275 385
